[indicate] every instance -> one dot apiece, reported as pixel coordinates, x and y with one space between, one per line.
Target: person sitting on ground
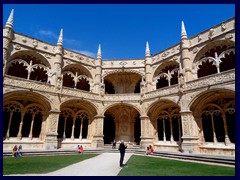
81 149
77 148
14 151
114 144
19 151
150 149
147 151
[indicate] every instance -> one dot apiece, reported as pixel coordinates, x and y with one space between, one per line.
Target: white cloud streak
50 34
88 53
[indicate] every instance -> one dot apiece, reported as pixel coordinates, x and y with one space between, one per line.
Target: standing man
122 148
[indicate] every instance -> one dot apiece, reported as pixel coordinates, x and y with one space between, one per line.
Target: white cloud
69 42
88 53
48 33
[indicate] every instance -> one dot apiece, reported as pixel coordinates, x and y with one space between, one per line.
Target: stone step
226 160
217 159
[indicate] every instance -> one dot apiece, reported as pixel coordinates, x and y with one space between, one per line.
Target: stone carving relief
53 118
48 56
24 40
223 27
214 79
228 36
123 63
5 43
45 47
195 50
165 53
17 46
210 33
185 125
199 37
79 57
35 43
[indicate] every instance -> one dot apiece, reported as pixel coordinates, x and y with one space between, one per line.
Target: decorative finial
183 33
99 53
147 53
60 39
9 22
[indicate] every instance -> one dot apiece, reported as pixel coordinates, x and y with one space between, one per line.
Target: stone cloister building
180 99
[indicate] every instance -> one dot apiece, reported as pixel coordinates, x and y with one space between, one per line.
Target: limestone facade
180 99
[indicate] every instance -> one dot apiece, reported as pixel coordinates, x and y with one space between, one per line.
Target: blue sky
122 29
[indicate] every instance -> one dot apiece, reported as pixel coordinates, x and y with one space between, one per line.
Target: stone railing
162 92
11 82
122 97
214 79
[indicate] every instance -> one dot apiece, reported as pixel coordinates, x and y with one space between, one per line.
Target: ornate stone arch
213 55
121 104
106 73
29 65
122 81
85 105
198 99
166 74
76 76
25 96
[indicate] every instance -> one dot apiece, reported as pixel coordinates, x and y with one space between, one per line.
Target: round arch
122 122
25 54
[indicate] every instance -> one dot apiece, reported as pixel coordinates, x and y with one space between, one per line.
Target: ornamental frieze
214 79
80 94
228 36
38 86
162 92
17 47
24 40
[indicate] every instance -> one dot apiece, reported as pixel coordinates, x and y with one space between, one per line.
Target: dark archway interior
108 129
137 132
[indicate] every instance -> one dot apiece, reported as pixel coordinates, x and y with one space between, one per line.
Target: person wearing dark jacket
122 148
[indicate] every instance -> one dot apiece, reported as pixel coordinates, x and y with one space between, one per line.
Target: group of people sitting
17 151
149 150
79 149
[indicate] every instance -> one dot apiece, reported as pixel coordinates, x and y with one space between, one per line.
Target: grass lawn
151 166
40 164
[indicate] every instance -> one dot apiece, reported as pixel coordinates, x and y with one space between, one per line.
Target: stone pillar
146 138
190 134
6 44
98 135
185 54
148 74
98 76
58 61
52 126
198 119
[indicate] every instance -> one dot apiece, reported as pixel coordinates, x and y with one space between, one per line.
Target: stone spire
183 32
147 53
9 22
60 39
99 53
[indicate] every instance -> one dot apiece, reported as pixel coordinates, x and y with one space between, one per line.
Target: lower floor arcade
28 120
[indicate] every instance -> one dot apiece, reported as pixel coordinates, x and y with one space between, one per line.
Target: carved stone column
52 126
98 136
146 138
190 132
98 76
7 33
